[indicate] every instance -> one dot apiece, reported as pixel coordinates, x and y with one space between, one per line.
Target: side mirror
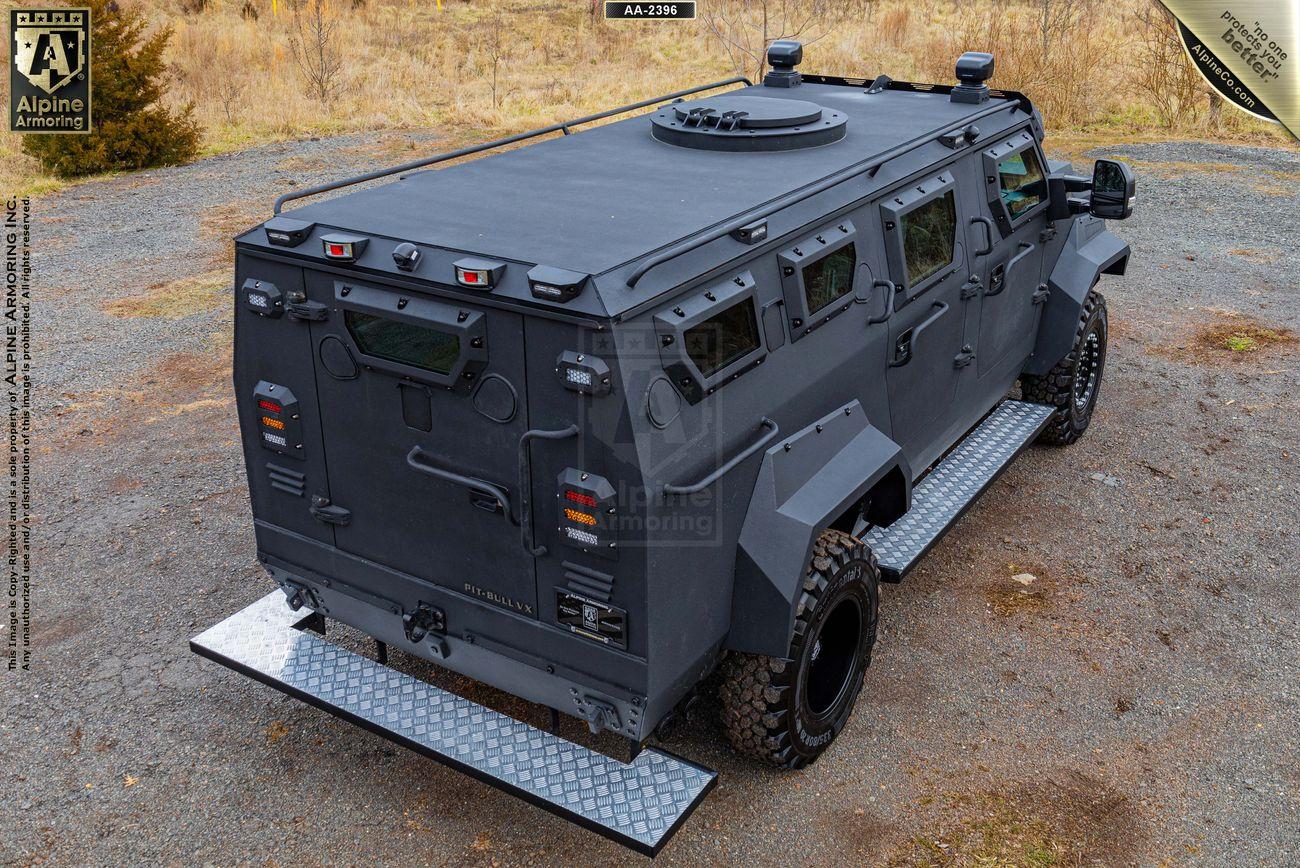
1114 189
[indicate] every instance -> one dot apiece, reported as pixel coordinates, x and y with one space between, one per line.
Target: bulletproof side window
1016 183
403 342
817 276
710 337
921 233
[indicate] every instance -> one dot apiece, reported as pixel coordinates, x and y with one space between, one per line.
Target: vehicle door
422 411
927 265
1013 215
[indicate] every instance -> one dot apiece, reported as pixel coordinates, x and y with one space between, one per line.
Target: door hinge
323 510
312 311
1040 295
971 287
964 358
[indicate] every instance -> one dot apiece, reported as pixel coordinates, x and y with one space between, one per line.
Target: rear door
422 408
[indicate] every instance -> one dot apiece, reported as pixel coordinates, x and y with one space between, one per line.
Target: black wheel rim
1088 371
834 658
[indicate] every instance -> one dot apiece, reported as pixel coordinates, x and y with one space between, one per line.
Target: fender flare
805 483
1090 251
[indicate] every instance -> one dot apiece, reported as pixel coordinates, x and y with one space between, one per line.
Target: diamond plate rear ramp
639 804
955 483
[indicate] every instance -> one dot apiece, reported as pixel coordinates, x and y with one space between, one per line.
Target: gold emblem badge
49 70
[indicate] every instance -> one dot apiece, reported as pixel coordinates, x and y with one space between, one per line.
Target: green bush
129 129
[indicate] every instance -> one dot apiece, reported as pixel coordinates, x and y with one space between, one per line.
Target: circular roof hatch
747 123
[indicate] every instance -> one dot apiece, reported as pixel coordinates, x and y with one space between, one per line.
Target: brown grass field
1100 71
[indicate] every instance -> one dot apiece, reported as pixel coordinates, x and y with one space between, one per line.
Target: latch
1047 234
902 349
309 311
598 713
971 287
1040 295
997 277
323 510
964 358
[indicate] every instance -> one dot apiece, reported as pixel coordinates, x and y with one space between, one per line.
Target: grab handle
988 235
417 457
525 482
891 290
772 431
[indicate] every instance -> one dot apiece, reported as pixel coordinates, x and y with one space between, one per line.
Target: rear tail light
579 516
269 406
579 497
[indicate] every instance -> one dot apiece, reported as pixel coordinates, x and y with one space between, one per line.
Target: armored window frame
1018 143
672 323
469 329
894 209
795 260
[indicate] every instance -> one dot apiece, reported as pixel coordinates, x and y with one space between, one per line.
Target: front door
929 267
425 468
1015 210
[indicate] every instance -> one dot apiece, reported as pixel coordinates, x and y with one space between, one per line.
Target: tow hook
599 714
299 596
424 620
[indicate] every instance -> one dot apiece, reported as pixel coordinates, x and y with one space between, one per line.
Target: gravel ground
1135 704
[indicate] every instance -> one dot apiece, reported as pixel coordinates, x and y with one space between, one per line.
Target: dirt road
1135 702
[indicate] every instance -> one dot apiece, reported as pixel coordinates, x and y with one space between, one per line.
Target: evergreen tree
129 129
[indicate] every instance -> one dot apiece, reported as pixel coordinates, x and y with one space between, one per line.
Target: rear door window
723 338
403 342
929 233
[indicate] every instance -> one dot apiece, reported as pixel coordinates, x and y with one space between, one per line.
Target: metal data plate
639 804
943 495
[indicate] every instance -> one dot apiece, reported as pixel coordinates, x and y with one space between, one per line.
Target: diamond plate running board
955 483
639 804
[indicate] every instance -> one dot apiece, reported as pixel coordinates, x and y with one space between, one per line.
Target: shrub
129 129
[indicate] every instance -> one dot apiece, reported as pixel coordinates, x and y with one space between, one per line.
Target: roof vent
973 69
747 123
784 55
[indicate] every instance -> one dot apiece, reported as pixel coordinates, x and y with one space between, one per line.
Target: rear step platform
946 492
638 804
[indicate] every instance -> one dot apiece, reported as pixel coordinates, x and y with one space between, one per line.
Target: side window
817 276
929 233
723 338
1015 180
1020 182
829 278
710 336
403 342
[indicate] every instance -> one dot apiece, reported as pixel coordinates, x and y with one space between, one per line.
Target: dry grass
175 299
508 65
1231 338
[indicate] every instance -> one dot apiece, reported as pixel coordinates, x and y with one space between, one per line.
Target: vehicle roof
600 198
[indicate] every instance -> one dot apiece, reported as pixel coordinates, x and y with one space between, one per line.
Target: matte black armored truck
593 419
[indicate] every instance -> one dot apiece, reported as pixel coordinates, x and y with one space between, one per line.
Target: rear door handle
480 491
905 346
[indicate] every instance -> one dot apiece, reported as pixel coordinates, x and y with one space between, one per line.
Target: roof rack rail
497 143
869 165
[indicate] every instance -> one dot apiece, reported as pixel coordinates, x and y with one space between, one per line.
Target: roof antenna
784 55
973 69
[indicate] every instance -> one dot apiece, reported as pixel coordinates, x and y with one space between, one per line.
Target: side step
638 804
948 490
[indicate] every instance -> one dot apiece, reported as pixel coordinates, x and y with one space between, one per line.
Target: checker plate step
639 804
952 486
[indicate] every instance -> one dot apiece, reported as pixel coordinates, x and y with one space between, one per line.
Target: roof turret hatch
747 123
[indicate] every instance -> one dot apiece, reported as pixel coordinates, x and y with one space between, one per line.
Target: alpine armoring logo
49 70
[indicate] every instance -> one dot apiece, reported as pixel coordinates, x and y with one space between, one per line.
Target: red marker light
469 277
337 250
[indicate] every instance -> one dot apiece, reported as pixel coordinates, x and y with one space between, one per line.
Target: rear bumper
639 804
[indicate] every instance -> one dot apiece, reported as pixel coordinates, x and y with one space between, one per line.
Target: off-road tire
1073 383
766 709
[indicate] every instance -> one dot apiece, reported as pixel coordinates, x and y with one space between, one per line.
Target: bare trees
314 44
746 27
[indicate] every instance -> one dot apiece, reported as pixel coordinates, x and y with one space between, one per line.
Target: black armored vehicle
594 419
